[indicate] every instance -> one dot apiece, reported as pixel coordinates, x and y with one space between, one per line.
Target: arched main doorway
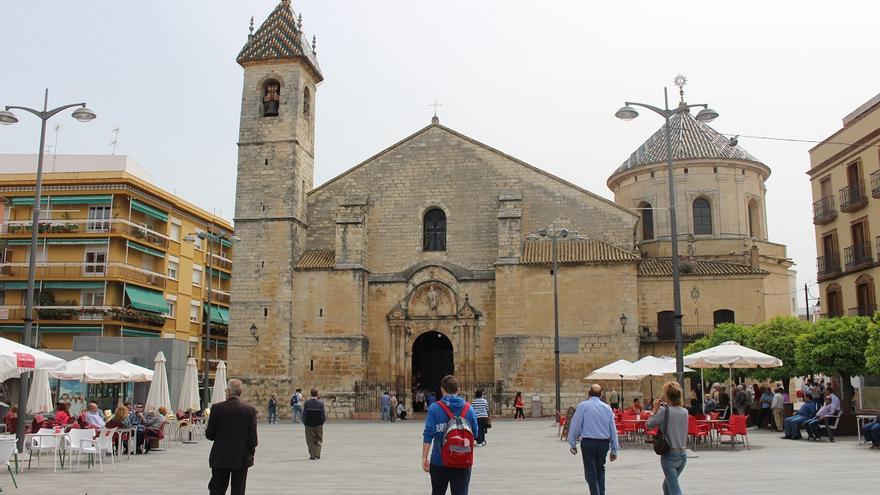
432 359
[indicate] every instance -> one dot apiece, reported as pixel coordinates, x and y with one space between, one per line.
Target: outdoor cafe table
132 437
638 423
59 446
713 427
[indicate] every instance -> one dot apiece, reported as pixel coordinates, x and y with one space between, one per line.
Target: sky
537 80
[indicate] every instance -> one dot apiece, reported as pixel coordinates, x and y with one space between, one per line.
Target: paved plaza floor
521 458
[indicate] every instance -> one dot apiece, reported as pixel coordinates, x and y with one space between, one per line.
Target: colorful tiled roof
280 37
691 140
662 267
317 259
573 252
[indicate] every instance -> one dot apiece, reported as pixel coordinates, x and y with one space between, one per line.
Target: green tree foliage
872 351
778 338
723 333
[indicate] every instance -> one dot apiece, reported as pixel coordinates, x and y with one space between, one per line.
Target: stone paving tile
522 457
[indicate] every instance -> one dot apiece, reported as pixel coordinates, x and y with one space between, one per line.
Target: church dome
691 140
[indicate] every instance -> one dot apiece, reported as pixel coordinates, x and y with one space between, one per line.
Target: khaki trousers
777 418
314 437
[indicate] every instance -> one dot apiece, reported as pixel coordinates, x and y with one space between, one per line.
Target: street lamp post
627 112
554 237
82 114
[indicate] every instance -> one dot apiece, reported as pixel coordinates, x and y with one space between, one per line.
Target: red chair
696 430
714 415
736 427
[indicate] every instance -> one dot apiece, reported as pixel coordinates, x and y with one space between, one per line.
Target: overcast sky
538 80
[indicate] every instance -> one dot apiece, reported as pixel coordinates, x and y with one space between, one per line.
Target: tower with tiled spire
275 172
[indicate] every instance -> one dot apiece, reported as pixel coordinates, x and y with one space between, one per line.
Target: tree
835 347
778 338
872 351
723 333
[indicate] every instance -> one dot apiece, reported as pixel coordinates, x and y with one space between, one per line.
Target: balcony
828 266
220 296
75 271
853 197
824 211
665 333
221 263
858 256
85 313
48 228
875 184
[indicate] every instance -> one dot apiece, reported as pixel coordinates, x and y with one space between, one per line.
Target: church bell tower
275 172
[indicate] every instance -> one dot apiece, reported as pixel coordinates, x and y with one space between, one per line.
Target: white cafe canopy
16 359
88 370
218 393
40 397
159 395
135 373
653 366
730 354
614 371
189 390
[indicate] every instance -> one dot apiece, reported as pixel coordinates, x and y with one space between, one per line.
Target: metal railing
85 313
858 255
220 296
661 333
221 262
853 196
824 210
110 270
90 226
828 264
875 184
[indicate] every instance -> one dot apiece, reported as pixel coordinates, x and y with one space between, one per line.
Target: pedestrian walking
481 409
296 405
273 409
314 417
672 419
232 426
593 424
448 442
386 407
614 399
518 407
392 412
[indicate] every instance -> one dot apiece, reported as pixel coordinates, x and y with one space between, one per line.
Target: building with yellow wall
113 256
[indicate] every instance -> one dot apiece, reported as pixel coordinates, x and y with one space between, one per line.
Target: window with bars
702 216
434 229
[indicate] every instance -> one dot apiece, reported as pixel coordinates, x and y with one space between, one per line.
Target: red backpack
457 450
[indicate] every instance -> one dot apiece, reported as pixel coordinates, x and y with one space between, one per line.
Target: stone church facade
418 262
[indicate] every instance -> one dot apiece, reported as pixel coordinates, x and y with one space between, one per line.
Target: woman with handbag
671 440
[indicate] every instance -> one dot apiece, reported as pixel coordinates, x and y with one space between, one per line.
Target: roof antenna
55 148
115 142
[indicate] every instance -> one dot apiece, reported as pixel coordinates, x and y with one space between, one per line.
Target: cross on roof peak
680 80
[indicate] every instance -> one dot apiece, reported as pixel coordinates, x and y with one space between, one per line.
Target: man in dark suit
232 426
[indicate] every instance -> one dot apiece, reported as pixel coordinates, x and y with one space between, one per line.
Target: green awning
220 343
27 200
149 210
103 199
16 285
61 242
226 243
131 332
145 249
223 275
11 329
146 299
69 329
219 315
23 242
73 285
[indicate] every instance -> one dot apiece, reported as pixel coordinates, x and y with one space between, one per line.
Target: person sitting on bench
791 425
812 424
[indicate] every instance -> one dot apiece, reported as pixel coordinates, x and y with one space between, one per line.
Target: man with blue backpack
449 425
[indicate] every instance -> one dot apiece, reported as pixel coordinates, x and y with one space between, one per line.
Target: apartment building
845 178
116 256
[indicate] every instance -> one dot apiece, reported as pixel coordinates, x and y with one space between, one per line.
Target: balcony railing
853 197
221 262
85 313
112 270
875 184
858 256
94 226
824 210
828 265
220 296
665 333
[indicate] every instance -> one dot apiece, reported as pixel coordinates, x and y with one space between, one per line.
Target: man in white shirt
776 408
94 416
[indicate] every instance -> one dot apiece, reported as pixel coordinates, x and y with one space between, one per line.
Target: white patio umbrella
88 370
730 355
16 359
136 374
189 391
650 366
618 370
40 397
159 395
218 393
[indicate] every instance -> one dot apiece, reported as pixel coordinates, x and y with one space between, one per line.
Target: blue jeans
672 465
871 432
594 453
790 425
456 479
386 413
273 416
297 412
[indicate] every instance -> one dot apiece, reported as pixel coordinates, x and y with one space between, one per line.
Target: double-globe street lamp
554 236
210 238
82 114
627 112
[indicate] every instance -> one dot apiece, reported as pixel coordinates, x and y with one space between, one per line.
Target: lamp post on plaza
209 237
627 113
554 236
82 114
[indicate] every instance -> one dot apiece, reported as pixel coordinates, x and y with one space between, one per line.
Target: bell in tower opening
271 97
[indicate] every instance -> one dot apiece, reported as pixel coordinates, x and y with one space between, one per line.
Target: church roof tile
662 267
691 140
317 259
280 37
575 252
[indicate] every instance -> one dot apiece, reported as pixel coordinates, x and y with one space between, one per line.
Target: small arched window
723 316
702 216
307 101
434 229
834 300
647 221
271 98
754 219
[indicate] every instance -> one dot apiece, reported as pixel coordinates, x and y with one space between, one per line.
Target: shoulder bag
661 446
